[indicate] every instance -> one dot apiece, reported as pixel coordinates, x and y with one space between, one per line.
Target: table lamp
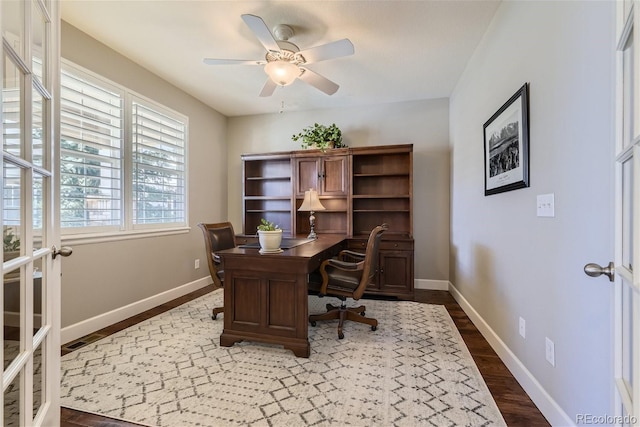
311 203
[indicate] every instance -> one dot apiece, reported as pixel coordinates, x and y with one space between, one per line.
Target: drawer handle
395 245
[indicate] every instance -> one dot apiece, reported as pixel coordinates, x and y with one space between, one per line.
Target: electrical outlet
196 265
522 328
550 351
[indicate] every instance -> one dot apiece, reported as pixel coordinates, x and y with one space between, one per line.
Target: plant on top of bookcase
320 136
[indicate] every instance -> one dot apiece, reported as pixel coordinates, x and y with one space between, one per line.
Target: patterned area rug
170 371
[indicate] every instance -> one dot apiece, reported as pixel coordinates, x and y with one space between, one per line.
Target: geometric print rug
170 370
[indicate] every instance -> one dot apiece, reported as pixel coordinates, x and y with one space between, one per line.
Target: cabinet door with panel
307 174
326 174
334 176
394 275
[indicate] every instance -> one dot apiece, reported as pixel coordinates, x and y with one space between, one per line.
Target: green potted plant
320 136
269 236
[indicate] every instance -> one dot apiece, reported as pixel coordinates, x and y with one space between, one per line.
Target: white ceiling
404 50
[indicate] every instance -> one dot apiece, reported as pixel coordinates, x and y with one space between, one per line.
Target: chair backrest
217 237
370 263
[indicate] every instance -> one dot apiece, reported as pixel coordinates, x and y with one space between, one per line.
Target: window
158 166
122 159
91 129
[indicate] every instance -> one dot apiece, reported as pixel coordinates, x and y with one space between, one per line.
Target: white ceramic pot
270 240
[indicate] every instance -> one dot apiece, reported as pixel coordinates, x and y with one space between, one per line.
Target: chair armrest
342 265
347 254
338 265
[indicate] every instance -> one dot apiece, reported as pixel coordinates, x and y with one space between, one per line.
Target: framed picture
506 145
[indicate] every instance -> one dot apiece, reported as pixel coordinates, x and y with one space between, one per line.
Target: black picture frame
506 145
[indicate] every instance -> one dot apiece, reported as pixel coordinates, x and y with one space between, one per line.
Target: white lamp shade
311 202
282 72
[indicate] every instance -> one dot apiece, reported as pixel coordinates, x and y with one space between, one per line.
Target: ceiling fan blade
268 88
331 50
318 81
260 29
214 61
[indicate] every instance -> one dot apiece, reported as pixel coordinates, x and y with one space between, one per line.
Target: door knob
64 251
594 270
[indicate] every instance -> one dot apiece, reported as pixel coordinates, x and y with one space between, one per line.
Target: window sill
86 239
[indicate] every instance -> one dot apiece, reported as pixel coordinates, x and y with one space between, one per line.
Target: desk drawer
398 245
244 240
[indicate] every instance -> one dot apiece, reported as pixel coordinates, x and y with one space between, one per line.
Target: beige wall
101 277
507 262
421 123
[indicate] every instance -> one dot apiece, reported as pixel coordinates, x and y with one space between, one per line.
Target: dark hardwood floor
514 404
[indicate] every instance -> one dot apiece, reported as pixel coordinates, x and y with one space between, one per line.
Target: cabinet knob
395 245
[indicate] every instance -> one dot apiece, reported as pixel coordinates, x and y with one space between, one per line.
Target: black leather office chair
217 236
344 279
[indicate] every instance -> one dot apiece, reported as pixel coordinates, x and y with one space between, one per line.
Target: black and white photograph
506 146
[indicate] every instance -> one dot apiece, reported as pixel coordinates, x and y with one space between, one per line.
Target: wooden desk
265 295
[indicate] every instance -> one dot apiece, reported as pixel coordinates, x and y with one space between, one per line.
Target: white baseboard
432 285
80 329
547 405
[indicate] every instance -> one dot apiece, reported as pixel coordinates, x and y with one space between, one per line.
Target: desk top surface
306 250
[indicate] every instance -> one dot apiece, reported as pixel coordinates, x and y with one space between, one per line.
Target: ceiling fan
284 62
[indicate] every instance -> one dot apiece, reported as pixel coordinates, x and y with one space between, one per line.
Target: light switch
545 205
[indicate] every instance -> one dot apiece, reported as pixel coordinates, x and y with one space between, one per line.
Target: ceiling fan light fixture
282 72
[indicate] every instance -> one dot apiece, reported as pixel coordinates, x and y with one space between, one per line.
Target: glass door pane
11 107
627 213
13 24
37 127
12 401
38 42
627 339
627 95
38 379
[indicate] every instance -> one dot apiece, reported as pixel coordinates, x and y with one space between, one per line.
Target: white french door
31 276
627 230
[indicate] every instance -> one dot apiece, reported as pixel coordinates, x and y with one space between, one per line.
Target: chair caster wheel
362 314
340 335
313 323
373 328
214 316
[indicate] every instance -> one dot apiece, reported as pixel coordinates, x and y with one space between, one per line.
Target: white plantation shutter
158 145
91 153
123 160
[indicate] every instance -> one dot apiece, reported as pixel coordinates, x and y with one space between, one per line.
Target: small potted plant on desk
270 237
